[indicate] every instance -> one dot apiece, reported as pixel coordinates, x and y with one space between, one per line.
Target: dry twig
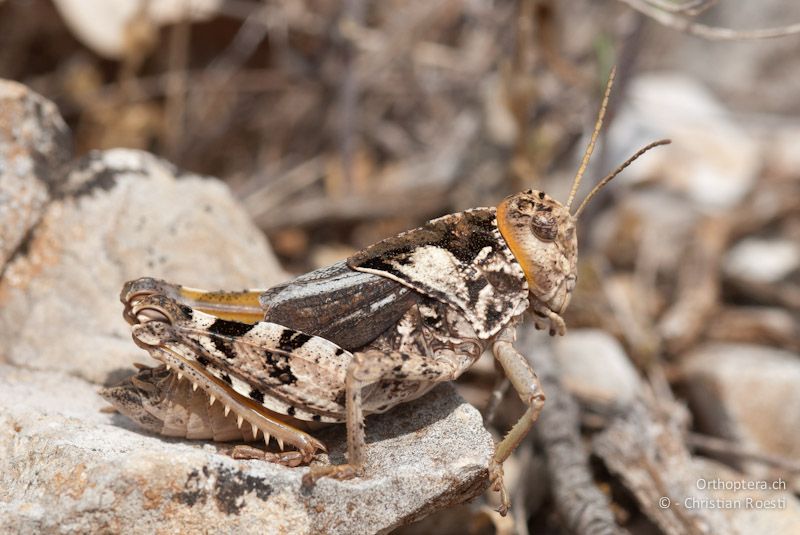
645 448
726 447
580 503
698 286
713 33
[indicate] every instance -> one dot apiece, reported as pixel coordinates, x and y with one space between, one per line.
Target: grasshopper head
540 232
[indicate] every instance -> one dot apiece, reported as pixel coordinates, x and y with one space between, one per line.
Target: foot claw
496 483
338 471
284 458
247 452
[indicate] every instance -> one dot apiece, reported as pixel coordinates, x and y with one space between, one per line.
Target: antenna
576 182
617 171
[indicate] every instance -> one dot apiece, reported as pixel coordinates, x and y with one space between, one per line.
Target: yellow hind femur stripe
234 306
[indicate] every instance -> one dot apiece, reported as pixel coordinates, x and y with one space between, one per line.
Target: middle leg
526 383
370 367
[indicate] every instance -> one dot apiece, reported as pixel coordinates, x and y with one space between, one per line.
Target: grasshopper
361 336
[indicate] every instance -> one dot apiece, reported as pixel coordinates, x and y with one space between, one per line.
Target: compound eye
544 227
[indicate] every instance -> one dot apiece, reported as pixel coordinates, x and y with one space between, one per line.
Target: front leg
544 318
367 368
527 385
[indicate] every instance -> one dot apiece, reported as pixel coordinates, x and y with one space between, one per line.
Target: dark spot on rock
230 489
99 176
192 492
104 179
24 246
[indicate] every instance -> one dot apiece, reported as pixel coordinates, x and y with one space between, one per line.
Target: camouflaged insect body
460 260
360 336
394 320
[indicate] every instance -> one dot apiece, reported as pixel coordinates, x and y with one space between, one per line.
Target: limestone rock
121 215
34 145
713 160
762 261
747 394
67 467
594 367
110 28
756 508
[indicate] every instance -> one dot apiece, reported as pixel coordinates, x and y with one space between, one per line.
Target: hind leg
285 458
242 306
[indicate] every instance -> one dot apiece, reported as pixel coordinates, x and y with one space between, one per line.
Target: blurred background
338 123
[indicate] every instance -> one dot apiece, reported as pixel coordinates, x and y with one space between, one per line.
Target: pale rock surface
748 510
108 27
594 367
66 467
713 161
761 260
648 223
748 394
34 145
122 214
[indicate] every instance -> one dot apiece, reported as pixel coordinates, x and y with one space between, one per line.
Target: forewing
347 307
459 259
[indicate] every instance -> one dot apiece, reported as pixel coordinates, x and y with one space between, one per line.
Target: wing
459 259
347 307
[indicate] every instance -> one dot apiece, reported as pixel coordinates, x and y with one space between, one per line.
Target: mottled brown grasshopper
361 336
